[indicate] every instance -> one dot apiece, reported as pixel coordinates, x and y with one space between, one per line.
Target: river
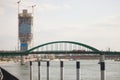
89 70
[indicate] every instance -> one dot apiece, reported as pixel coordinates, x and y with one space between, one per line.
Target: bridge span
64 47
60 47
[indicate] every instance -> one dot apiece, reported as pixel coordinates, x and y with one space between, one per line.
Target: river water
90 70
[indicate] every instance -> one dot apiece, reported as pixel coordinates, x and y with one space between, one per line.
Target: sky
92 22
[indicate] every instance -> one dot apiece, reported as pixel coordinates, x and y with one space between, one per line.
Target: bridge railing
61 68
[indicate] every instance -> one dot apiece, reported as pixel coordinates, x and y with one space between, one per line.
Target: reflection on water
90 70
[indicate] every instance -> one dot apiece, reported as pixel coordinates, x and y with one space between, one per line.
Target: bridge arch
71 42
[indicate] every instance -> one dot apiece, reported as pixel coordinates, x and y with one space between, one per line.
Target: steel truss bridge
60 47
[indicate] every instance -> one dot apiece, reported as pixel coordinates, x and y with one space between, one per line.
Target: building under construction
25 29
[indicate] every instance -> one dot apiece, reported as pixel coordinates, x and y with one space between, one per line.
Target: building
25 29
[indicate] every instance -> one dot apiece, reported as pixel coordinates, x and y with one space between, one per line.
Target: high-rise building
25 33
25 22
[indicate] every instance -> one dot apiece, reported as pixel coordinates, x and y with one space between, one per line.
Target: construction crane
18 5
18 20
33 8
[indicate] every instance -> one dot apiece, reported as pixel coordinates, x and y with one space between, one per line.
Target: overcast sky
92 22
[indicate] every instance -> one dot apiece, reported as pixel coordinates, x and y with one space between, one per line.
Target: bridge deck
16 53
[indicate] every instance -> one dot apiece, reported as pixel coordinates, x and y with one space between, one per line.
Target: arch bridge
60 47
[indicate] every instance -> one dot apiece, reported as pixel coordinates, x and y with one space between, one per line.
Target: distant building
25 22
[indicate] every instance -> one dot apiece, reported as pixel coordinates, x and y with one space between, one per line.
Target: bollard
102 66
39 70
31 76
61 70
48 70
77 70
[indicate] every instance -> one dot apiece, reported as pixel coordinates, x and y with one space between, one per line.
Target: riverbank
7 62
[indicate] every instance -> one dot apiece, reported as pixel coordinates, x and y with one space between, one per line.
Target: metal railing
78 76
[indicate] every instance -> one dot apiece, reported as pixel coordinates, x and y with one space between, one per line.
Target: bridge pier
102 66
22 62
